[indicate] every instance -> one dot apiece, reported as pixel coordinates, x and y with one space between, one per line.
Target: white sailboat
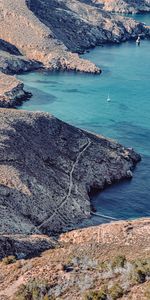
108 98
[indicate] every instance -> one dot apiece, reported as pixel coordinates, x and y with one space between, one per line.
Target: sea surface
81 100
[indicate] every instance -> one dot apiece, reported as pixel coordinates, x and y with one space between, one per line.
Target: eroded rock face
80 26
52 28
11 91
13 64
23 246
39 42
124 6
43 34
47 168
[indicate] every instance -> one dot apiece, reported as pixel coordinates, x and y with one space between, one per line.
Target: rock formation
23 246
35 34
11 91
47 169
45 31
124 6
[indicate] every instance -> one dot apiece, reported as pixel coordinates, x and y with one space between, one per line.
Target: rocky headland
11 91
48 168
123 6
49 34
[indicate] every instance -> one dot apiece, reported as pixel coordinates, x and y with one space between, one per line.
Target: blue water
80 99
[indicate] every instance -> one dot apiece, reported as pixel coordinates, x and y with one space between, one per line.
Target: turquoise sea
81 100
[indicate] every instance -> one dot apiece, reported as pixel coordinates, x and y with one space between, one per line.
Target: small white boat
108 98
138 41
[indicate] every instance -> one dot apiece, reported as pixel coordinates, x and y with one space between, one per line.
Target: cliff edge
47 169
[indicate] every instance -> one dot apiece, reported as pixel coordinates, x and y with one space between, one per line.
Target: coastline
43 47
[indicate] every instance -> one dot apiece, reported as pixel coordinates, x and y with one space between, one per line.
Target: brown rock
47 169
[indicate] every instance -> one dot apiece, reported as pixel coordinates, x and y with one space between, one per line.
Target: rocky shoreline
11 91
123 6
48 169
55 32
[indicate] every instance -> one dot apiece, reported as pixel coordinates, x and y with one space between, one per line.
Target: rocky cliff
45 30
47 169
124 6
11 91
36 34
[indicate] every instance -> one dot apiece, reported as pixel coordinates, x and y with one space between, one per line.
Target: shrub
143 265
34 290
96 295
118 261
138 276
9 260
103 266
116 291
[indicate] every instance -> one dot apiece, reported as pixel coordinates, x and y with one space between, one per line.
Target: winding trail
84 148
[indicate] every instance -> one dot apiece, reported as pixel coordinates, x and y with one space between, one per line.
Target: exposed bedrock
122 6
35 40
12 91
47 31
23 246
80 26
47 169
14 64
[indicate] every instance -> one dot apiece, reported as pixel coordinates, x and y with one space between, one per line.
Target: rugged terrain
111 259
42 33
47 169
123 6
11 91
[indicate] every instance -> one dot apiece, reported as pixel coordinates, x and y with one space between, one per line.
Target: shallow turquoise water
81 100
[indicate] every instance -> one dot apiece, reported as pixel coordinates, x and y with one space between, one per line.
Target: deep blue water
80 99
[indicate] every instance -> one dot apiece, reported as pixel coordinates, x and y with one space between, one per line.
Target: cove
81 99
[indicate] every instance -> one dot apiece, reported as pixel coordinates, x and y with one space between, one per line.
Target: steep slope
124 6
43 34
47 168
45 30
36 40
98 258
81 26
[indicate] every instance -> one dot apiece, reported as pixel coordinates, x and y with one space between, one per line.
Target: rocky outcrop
47 169
14 64
52 28
80 26
11 91
46 33
39 42
23 246
124 6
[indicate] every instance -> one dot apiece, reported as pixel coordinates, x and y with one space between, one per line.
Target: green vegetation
116 291
9 260
113 293
96 295
34 290
118 261
140 271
